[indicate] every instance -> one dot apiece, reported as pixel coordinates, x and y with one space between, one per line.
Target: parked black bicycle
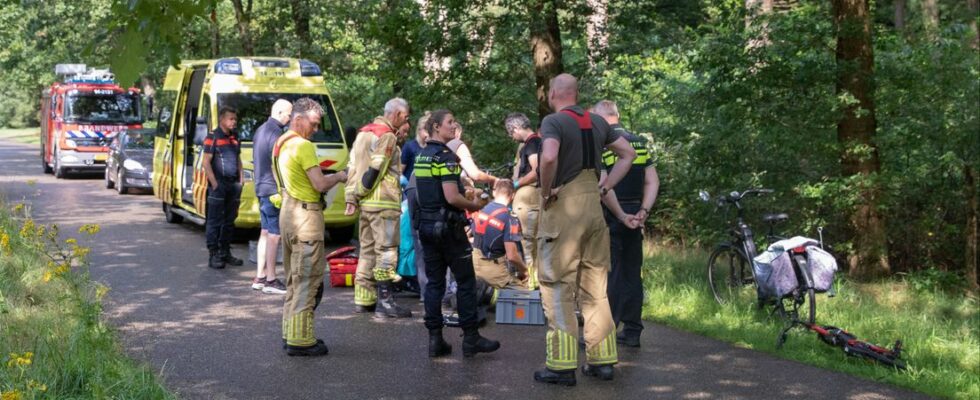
731 274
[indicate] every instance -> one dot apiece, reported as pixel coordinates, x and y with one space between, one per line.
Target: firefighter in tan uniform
573 240
302 184
374 189
527 200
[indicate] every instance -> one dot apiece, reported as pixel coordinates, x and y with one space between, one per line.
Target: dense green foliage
940 332
724 114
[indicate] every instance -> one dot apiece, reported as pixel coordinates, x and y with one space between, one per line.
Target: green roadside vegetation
21 135
55 342
940 329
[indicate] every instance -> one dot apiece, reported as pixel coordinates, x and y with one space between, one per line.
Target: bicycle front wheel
730 276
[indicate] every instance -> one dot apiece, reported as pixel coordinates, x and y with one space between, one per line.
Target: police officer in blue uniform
223 167
626 207
441 226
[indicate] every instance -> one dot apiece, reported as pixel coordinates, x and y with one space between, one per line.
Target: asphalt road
210 336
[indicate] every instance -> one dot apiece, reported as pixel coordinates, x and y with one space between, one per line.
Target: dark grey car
130 161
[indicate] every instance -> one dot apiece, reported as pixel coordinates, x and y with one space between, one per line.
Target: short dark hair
305 105
437 117
225 110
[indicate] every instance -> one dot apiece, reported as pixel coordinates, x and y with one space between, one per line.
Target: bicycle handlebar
735 197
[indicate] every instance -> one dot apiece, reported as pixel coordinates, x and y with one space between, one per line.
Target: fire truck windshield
254 108
117 108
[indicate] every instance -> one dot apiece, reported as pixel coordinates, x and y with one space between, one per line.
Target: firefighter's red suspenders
585 125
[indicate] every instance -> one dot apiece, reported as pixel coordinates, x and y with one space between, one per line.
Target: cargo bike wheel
730 276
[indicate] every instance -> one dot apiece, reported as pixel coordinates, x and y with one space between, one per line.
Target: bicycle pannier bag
775 277
823 266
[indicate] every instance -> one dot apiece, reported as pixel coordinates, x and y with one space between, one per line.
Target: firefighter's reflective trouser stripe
527 205
573 242
304 263
379 236
495 272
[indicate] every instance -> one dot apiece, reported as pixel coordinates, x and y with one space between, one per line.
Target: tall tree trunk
972 273
597 33
215 34
243 15
974 7
900 15
545 49
754 9
930 18
300 12
856 131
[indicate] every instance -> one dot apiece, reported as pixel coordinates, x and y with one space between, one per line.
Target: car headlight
69 159
132 165
248 174
70 143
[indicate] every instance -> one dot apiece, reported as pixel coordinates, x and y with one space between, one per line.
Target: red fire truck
79 117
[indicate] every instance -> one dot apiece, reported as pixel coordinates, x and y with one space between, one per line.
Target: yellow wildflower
47 276
28 229
5 243
35 385
11 395
100 291
19 360
80 251
18 207
90 229
71 241
62 268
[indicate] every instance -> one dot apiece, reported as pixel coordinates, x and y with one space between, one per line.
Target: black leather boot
386 306
228 258
474 343
604 372
564 378
437 345
364 309
214 259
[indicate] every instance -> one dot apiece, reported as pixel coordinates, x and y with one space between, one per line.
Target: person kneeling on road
302 185
497 258
441 225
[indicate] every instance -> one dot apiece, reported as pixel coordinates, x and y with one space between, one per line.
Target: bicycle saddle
775 218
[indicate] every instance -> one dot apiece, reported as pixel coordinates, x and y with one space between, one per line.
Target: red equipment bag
343 266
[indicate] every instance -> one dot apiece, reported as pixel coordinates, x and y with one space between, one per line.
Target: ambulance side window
52 105
165 103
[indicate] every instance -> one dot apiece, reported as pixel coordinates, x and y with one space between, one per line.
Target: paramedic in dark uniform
626 208
441 226
497 258
223 167
573 239
527 200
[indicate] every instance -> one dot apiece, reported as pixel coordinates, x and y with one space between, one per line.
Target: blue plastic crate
519 307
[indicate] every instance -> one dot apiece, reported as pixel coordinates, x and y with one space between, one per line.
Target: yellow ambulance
187 110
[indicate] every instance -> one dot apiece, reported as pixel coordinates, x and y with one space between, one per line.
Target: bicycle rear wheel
730 276
802 305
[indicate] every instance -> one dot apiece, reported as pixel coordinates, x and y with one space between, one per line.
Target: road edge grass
31 135
940 330
55 340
